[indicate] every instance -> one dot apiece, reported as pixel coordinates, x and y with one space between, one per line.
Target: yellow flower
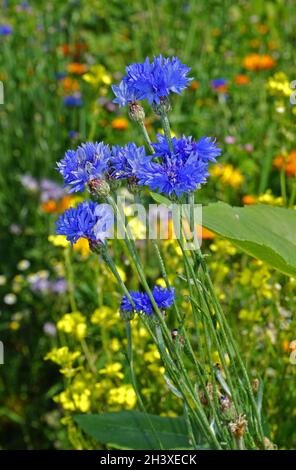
161 131
269 198
58 240
103 316
113 370
82 246
97 74
228 175
279 85
123 395
115 345
73 324
62 356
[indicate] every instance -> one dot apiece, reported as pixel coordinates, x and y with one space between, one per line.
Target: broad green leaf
265 232
131 430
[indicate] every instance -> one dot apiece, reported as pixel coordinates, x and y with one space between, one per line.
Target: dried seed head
204 397
238 427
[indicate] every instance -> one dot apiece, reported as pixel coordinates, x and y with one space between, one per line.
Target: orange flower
49 207
286 345
77 68
248 199
70 85
73 50
65 203
262 28
207 234
119 123
289 163
267 62
258 62
242 79
194 85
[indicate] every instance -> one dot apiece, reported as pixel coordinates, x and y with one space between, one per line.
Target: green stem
166 127
146 136
134 382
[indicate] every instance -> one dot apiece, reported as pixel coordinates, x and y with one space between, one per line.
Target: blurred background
57 62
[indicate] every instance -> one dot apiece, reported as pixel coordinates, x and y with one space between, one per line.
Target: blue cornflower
152 80
73 101
125 93
218 83
205 148
79 167
126 160
140 300
163 297
88 220
5 30
180 171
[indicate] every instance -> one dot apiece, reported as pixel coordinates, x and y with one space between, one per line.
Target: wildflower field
147 225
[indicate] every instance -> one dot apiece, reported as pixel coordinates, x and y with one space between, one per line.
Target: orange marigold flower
286 345
70 85
258 62
248 199
49 206
77 68
267 62
194 85
119 123
289 163
262 28
242 79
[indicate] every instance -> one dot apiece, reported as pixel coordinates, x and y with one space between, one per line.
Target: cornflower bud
136 111
99 187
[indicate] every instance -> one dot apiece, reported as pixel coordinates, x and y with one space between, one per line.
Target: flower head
125 93
73 101
5 30
152 80
126 160
163 297
79 167
88 220
181 170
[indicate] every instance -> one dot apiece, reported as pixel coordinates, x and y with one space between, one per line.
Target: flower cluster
172 172
181 170
88 220
163 297
79 167
153 81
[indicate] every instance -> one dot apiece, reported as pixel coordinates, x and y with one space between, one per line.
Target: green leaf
265 232
131 430
160 199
